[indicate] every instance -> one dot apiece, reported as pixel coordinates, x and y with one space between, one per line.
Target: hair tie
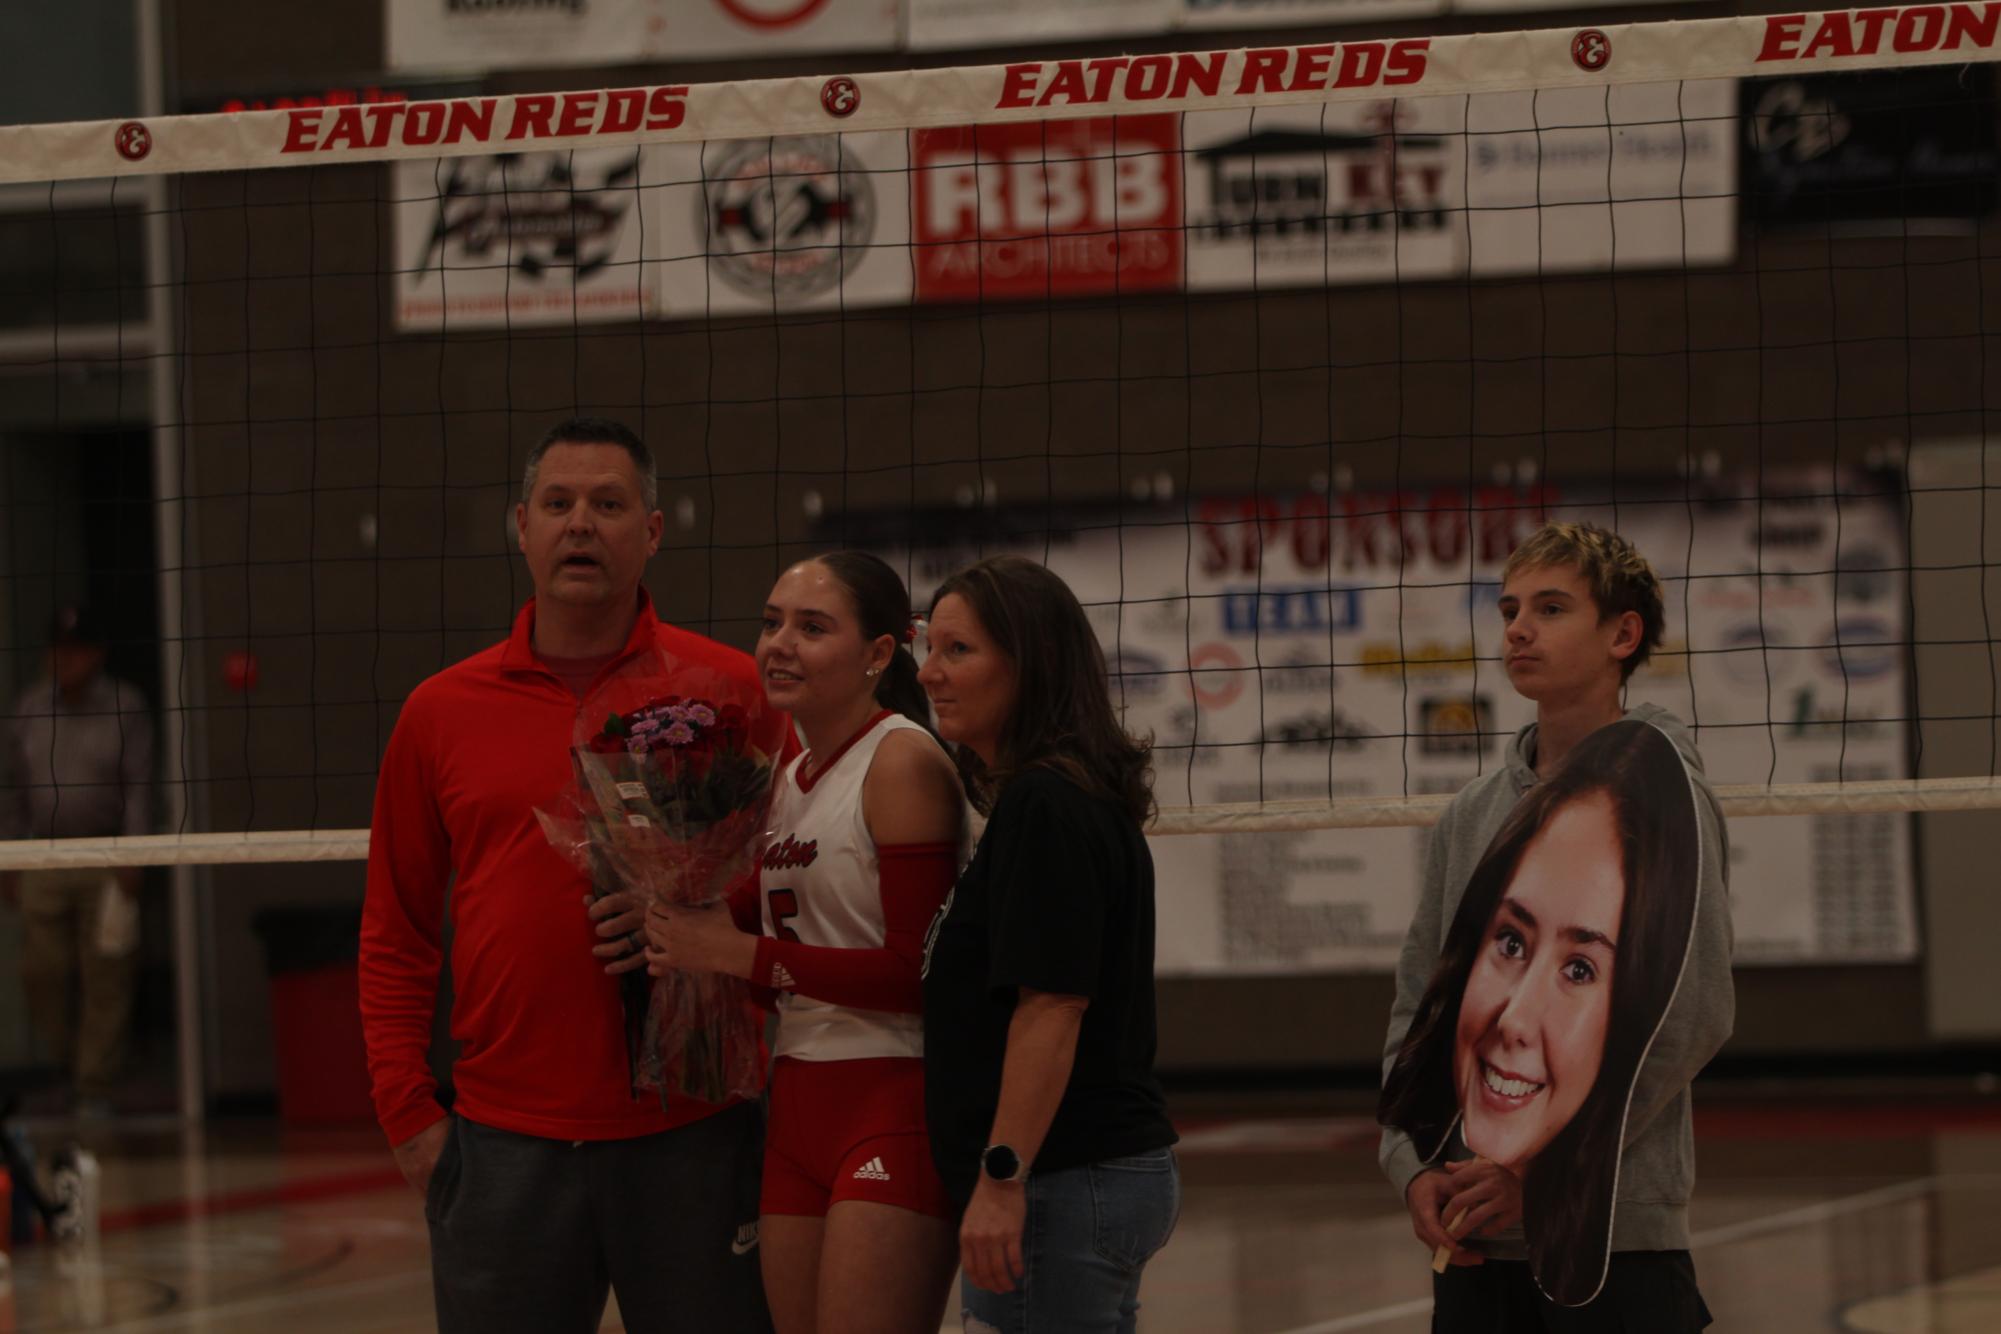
910 631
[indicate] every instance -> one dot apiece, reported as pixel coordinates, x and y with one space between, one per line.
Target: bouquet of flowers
674 763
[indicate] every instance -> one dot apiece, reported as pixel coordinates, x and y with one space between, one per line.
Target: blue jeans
1088 1234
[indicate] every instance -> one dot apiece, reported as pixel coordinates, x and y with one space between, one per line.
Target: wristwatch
1000 1163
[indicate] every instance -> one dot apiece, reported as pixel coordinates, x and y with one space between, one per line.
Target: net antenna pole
170 549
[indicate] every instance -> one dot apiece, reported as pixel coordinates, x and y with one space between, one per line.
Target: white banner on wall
1221 14
806 222
943 24
516 34
1357 650
519 239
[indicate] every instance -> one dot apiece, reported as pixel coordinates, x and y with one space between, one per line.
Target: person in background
1047 1122
866 827
550 1182
1581 610
79 764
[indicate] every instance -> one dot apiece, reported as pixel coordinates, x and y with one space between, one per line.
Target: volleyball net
1274 354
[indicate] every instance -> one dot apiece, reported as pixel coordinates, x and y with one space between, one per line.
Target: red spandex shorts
849 1130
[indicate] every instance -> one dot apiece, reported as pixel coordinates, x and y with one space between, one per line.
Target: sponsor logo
1789 536
1455 725
872 1170
1035 209
1814 720
745 1240
790 853
1865 32
1215 675
1298 677
1278 185
1388 658
1591 50
1312 731
1296 610
1746 656
772 13
1860 648
1137 674
788 218
840 97
1863 574
536 208
133 141
480 120
1187 76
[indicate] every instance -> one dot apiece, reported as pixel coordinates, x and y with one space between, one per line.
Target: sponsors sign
1351 648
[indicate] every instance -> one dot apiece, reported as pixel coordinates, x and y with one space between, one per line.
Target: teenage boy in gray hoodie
1582 611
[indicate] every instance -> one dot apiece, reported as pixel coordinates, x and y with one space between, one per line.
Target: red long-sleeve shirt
476 749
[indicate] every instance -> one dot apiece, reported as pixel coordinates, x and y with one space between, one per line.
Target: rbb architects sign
1062 208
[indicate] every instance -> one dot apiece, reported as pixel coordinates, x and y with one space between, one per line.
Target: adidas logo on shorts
872 1170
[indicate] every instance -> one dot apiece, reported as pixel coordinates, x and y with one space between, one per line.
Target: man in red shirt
550 1182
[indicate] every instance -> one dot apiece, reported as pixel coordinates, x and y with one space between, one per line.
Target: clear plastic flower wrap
674 761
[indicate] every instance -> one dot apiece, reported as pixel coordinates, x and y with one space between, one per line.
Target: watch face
1001 1163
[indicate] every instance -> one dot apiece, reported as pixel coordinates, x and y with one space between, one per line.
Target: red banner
1064 208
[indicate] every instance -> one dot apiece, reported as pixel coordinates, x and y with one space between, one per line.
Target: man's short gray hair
596 431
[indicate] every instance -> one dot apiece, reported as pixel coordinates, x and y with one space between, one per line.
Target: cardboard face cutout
1558 968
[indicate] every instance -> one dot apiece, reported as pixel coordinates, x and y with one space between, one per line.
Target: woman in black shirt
1046 1120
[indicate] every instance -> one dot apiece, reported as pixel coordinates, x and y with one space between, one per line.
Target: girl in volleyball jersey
857 1231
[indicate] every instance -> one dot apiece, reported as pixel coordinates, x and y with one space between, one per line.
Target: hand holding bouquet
674 763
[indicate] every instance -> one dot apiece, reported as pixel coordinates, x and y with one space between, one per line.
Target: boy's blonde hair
1619 577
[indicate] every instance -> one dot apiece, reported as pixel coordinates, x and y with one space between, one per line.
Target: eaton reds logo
1591 49
840 97
133 141
791 853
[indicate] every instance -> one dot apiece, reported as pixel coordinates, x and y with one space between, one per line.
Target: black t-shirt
1058 897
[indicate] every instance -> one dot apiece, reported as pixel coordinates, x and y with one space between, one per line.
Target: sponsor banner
805 222
1559 180
539 34
1345 193
1064 208
1360 71
1351 648
517 239
940 24
1821 148
1587 179
1203 14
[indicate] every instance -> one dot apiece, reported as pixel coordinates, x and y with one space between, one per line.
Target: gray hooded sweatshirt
1658 1169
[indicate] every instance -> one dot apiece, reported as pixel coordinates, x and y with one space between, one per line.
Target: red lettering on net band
1591 49
840 97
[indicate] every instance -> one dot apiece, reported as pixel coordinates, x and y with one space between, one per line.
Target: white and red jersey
840 935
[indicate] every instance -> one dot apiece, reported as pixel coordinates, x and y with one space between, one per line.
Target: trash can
312 954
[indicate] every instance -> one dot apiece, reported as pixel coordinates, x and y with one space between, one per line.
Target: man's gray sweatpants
528 1234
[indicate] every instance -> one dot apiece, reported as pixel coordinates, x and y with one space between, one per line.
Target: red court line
262 1197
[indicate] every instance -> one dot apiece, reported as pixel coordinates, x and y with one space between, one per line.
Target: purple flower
680 734
677 714
701 715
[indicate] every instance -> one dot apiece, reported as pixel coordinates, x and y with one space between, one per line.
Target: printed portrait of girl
1560 962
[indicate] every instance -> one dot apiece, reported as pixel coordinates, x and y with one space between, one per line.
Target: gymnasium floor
1875 1214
